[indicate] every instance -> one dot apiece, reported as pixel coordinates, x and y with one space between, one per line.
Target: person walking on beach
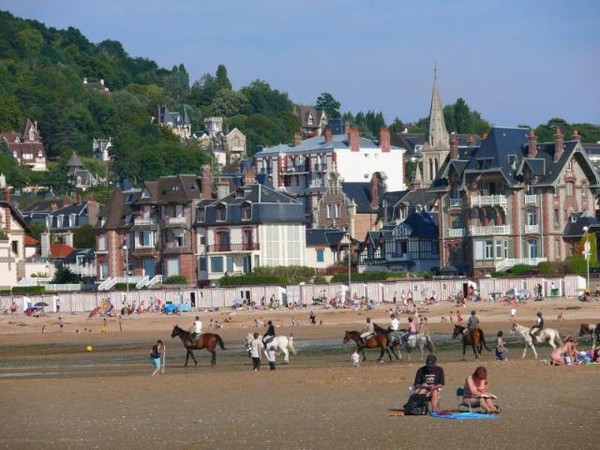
105 325
272 357
256 348
156 356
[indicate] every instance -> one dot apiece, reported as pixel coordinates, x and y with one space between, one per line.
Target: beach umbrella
42 304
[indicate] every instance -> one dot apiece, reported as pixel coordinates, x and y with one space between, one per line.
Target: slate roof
361 194
329 237
423 224
576 222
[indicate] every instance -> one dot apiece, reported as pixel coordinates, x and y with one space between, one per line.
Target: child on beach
272 357
355 358
501 350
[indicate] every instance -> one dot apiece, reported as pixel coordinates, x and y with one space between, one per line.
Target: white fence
379 292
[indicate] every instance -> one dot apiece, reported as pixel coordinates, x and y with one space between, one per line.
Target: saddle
268 339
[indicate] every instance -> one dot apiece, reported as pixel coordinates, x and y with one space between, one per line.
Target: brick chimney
384 139
222 188
206 182
559 144
532 140
453 146
354 139
328 136
470 140
93 210
249 176
297 138
374 191
575 136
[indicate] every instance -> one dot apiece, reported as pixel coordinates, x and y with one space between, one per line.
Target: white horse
414 340
280 343
547 335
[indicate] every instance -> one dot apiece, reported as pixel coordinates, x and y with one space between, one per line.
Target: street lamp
348 240
587 253
126 250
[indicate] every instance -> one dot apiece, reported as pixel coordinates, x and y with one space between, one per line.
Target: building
101 149
80 177
300 169
27 147
509 200
12 245
312 121
178 123
253 226
228 147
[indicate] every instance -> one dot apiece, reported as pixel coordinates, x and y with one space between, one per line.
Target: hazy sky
514 61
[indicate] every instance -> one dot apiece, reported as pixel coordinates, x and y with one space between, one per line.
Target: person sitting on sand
477 392
429 380
566 354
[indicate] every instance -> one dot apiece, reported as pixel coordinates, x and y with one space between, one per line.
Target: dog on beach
355 358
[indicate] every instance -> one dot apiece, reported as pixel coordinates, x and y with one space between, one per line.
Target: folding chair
460 393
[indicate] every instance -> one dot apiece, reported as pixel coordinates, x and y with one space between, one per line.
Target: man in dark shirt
429 380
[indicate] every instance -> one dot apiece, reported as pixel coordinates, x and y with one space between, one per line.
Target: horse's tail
557 339
430 344
220 342
291 345
483 340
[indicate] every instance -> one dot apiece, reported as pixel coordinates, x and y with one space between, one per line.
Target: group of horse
390 342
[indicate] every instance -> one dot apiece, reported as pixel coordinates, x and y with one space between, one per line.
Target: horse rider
270 334
472 322
539 325
393 330
367 331
196 330
412 330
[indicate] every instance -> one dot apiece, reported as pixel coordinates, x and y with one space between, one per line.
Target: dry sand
56 395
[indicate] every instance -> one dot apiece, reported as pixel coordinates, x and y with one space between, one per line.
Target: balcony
489 200
176 221
455 202
143 221
223 248
507 263
295 170
456 232
491 230
528 229
531 199
320 167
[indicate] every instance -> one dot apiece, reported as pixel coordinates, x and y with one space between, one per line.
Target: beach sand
56 394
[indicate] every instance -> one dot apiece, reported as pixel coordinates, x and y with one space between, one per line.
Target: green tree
222 79
84 237
462 117
326 102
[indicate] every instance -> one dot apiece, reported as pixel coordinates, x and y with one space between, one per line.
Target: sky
517 62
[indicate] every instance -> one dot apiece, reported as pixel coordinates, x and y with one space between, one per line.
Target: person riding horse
393 331
539 325
270 334
472 322
412 329
367 331
196 330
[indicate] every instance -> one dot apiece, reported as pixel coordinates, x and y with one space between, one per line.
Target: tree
462 117
84 237
326 102
222 78
65 276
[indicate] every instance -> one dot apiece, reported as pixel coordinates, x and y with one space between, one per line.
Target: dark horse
208 341
473 337
376 340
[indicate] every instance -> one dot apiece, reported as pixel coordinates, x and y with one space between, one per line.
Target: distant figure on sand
566 354
156 355
355 358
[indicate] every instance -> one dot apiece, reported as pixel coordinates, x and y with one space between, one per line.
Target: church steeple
415 182
438 133
436 149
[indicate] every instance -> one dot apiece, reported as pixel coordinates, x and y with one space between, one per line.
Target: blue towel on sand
462 415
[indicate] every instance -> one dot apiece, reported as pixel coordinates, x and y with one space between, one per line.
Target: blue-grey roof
324 237
361 194
576 222
423 224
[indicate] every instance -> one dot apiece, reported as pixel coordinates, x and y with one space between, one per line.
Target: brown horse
591 330
208 341
376 340
473 337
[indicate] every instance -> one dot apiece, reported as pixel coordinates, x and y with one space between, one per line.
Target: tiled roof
60 251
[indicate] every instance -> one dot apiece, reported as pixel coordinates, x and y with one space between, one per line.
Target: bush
252 279
176 279
123 287
28 289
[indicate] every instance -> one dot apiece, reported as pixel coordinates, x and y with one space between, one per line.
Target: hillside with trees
41 78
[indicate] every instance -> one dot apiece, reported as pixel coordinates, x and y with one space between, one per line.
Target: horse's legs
191 353
286 355
213 358
361 350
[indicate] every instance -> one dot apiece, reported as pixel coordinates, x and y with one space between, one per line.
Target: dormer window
310 120
570 165
246 212
221 213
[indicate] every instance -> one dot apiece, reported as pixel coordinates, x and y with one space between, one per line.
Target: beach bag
416 405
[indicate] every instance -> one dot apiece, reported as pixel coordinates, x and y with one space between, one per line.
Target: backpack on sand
416 405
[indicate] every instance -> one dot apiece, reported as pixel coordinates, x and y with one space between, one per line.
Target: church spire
438 133
415 182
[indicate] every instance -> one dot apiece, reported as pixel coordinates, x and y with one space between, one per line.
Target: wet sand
57 395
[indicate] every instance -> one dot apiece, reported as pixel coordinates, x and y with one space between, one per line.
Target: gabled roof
576 222
423 224
74 161
60 251
360 193
324 237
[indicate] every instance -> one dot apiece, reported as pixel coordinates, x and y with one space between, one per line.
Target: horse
414 340
592 330
374 341
474 337
547 335
283 343
207 341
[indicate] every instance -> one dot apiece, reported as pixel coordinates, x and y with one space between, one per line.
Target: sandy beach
57 394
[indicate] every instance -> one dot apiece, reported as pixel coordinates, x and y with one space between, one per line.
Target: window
569 188
556 216
489 249
532 217
570 165
529 189
172 267
583 190
533 247
221 212
103 270
246 212
229 262
178 238
178 210
216 264
320 256
222 241
202 263
102 243
499 249
145 239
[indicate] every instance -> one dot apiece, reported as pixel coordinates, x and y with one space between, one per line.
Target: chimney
532 139
559 144
7 193
222 188
206 182
374 191
53 206
470 140
93 211
249 176
384 138
575 136
354 139
453 146
297 138
328 136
